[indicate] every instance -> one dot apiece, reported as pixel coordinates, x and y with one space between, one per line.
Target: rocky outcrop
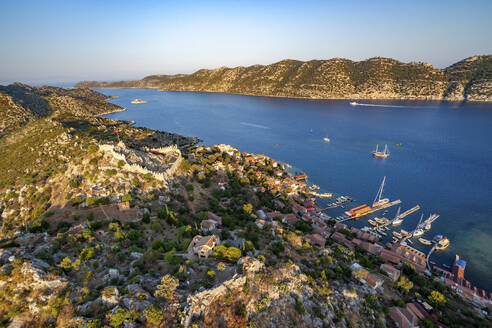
375 78
20 103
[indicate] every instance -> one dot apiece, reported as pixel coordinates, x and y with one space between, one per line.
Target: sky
68 41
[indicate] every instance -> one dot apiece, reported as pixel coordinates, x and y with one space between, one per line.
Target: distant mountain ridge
375 78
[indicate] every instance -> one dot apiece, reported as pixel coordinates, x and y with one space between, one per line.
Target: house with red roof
316 239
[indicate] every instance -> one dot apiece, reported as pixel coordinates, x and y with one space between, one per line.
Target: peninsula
107 224
375 78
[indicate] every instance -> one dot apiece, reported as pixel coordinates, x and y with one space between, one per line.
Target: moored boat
442 244
424 241
326 139
378 201
371 222
397 234
404 233
378 220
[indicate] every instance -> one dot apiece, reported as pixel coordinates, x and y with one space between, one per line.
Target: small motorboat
404 232
442 244
424 241
353 103
326 139
371 222
397 235
378 220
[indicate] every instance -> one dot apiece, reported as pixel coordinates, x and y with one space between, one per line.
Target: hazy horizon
55 41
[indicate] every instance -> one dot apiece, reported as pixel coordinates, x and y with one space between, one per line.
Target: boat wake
255 125
391 106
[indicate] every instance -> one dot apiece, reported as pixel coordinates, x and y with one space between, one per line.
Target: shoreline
307 98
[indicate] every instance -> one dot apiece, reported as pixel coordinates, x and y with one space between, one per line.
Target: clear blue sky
48 41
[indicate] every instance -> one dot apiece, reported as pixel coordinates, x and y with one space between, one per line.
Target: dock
373 210
408 212
400 216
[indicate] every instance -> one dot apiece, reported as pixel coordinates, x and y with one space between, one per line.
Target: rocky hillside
21 103
375 78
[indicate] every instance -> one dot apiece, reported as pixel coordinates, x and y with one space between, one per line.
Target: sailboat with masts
381 154
418 230
397 220
378 201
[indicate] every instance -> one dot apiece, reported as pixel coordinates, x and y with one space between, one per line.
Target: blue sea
444 163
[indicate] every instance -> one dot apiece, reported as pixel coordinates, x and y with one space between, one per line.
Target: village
198 212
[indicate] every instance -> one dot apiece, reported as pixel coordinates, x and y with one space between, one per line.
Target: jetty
322 195
408 212
397 217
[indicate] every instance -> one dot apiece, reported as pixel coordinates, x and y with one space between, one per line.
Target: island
138 101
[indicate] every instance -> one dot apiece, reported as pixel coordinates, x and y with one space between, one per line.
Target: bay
443 163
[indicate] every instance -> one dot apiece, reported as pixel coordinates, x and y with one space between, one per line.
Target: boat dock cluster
381 226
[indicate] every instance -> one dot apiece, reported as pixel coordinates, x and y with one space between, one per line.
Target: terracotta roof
317 239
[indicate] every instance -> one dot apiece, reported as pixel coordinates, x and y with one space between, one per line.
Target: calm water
444 164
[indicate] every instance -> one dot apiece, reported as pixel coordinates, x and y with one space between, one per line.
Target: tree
437 298
167 287
126 198
153 314
404 284
248 208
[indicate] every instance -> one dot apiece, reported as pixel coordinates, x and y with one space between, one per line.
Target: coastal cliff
375 78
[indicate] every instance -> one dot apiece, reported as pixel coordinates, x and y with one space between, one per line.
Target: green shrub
146 217
127 198
62 227
91 201
211 274
39 226
158 245
66 264
92 149
118 317
38 212
87 253
76 201
75 182
148 177
153 314
94 323
263 303
110 172
167 287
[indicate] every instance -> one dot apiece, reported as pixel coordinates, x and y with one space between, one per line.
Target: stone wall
163 175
